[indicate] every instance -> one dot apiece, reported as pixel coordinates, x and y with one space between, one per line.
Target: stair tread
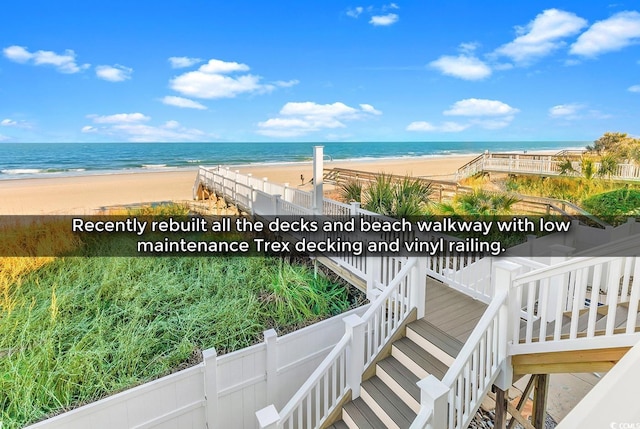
620 319
392 405
421 357
362 415
340 424
402 375
436 336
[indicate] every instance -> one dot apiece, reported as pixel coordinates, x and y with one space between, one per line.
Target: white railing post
268 417
252 199
270 341
434 395
276 204
209 358
264 184
419 286
355 353
373 277
318 192
557 284
284 193
355 206
508 317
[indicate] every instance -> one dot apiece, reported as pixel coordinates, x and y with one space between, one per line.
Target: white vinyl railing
537 164
452 402
342 370
322 391
593 299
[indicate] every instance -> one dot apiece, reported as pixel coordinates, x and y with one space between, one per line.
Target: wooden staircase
391 398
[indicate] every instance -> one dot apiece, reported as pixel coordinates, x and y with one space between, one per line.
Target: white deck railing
452 402
547 165
566 302
342 370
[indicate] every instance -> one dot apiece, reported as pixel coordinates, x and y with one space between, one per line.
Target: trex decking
451 311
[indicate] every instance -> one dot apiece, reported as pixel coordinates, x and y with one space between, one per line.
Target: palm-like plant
378 197
587 168
411 197
479 203
608 166
407 197
566 167
351 190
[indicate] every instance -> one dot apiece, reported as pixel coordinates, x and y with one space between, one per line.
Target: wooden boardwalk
539 165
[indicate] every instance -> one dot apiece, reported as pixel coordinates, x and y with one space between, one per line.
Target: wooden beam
501 407
540 395
593 360
523 400
515 414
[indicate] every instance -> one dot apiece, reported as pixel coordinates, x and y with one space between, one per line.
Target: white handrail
329 367
477 365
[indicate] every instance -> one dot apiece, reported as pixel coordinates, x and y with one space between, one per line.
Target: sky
437 70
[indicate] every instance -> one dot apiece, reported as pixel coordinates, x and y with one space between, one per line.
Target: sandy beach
86 194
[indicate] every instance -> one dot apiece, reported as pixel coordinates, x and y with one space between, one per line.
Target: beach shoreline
88 193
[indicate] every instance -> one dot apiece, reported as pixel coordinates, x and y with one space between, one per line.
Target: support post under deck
540 396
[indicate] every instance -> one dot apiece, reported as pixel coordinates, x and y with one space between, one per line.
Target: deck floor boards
452 311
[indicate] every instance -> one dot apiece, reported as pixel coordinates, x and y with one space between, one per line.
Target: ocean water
29 160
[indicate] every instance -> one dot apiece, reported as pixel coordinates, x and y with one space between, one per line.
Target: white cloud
115 73
182 62
18 54
566 111
300 118
370 109
480 107
446 127
611 34
466 67
542 35
3 138
355 12
185 103
384 20
575 111
211 80
634 88
493 124
65 63
468 47
223 67
129 126
12 123
286 83
119 118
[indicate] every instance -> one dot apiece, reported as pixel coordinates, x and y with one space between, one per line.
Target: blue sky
318 70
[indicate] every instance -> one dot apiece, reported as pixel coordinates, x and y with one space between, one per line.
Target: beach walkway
539 165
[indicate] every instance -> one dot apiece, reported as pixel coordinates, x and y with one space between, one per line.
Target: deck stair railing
452 402
341 371
582 301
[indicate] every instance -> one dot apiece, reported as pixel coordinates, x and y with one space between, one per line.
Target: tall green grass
75 329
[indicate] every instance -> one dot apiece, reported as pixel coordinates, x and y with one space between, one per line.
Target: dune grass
75 329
